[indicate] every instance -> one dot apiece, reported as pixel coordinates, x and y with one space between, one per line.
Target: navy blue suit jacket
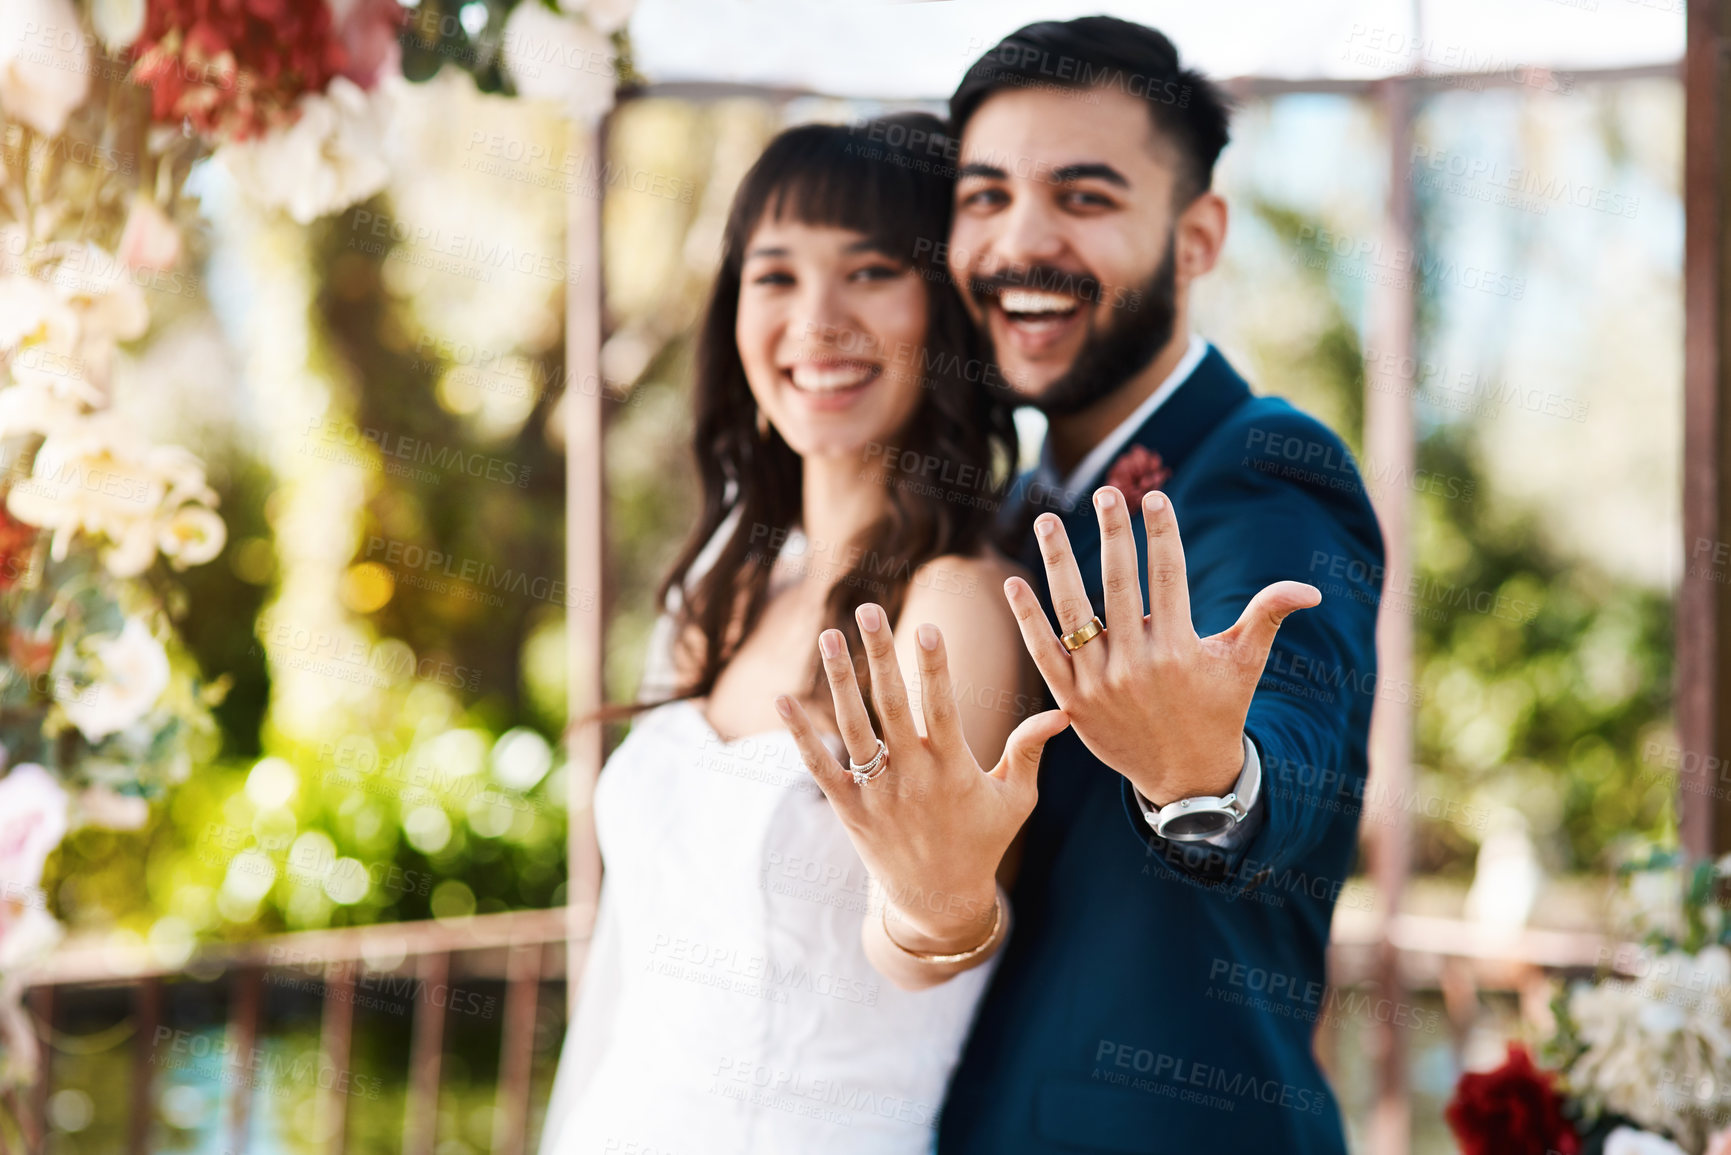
1157 997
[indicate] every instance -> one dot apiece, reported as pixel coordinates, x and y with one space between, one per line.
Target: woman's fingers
1020 764
889 692
938 698
850 712
831 777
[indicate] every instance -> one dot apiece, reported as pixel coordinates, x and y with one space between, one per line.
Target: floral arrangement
1641 1058
109 106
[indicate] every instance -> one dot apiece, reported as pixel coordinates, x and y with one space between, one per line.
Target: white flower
192 535
41 401
605 16
333 156
1628 1141
133 673
118 22
26 937
553 57
32 823
30 310
44 64
1658 1048
94 475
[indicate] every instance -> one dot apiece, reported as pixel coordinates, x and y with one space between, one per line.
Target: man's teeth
828 378
1032 301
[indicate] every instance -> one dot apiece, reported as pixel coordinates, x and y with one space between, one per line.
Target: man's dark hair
1096 52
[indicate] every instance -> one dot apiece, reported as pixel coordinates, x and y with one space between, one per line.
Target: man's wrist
1213 781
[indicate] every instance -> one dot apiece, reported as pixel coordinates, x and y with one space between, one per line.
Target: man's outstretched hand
1151 699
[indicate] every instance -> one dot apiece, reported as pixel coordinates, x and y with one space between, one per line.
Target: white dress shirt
1068 492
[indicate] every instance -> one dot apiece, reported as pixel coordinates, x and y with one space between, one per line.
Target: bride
749 987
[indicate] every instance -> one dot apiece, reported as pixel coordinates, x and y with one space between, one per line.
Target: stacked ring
864 772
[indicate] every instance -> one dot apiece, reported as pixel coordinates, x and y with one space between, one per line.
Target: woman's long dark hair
891 179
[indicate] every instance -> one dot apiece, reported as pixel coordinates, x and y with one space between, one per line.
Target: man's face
1063 240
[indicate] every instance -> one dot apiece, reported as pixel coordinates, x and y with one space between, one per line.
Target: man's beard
1117 351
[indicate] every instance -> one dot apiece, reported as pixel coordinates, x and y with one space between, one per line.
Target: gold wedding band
1077 638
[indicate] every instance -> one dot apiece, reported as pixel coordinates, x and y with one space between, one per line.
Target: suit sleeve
1277 498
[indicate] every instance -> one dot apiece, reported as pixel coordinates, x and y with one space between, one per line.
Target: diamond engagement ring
864 772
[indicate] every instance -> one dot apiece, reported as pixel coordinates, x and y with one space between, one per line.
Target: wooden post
585 539
1704 596
336 1029
1389 444
426 1054
243 1008
147 1013
517 1050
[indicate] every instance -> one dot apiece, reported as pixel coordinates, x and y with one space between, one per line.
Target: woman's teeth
1033 303
831 378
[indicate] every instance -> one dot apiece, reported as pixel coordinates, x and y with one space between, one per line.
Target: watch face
1197 825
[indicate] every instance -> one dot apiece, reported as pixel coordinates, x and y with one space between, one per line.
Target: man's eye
984 198
1087 200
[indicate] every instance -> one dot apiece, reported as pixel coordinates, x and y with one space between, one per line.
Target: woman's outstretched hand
933 826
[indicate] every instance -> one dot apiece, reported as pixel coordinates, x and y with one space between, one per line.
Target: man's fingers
831 777
1020 764
889 692
1168 585
938 695
1043 645
1253 633
1120 576
1069 594
850 712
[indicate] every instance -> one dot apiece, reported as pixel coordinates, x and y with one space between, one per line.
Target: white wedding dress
727 1006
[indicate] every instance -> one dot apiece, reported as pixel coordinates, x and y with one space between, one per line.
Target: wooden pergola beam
1704 594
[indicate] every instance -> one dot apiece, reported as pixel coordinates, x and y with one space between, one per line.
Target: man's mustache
1042 278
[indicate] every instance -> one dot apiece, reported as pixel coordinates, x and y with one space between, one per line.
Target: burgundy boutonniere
1137 471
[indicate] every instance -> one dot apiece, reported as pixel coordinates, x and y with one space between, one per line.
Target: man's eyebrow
1095 170
988 171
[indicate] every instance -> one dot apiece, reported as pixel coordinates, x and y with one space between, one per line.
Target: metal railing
529 949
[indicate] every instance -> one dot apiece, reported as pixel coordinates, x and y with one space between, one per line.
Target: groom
1165 974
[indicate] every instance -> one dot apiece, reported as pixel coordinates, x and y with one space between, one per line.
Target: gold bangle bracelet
964 956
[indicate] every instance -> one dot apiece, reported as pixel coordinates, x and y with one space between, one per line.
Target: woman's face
832 336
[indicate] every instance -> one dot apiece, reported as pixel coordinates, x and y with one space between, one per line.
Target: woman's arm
935 828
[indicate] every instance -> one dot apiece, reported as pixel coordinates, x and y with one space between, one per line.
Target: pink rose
150 240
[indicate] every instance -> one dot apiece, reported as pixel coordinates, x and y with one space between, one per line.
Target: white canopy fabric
919 49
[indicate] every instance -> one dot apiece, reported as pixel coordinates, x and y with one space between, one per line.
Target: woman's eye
877 273
774 278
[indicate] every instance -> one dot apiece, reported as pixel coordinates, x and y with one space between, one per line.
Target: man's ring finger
1082 635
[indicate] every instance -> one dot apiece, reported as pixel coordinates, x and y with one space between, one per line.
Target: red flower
234 68
1137 470
1512 1110
16 542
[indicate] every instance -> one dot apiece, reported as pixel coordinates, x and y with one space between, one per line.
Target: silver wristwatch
1205 816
